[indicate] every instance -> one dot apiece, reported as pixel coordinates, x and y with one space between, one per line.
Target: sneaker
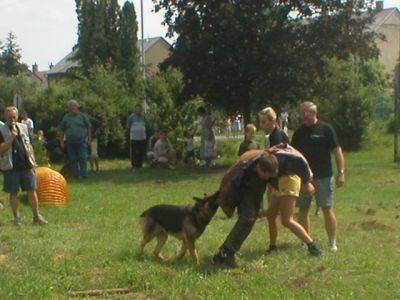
1 205
224 259
333 247
18 221
39 220
314 250
271 249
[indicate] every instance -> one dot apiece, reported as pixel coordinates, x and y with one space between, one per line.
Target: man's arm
62 139
6 144
339 158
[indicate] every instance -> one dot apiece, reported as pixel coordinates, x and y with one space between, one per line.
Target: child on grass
248 143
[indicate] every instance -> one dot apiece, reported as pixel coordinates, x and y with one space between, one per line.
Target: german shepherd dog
186 223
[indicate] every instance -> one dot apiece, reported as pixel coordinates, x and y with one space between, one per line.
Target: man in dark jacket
243 187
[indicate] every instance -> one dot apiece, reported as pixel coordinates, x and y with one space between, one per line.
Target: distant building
156 50
37 77
387 22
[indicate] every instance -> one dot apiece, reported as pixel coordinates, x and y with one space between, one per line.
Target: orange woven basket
52 187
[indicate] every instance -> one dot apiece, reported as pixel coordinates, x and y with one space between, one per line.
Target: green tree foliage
101 94
128 50
107 35
240 54
10 57
163 91
11 84
104 95
347 96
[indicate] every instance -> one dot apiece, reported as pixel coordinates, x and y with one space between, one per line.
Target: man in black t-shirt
316 140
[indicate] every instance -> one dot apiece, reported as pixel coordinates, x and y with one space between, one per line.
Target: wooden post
396 112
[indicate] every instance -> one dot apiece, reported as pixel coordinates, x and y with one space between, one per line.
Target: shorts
13 180
324 190
94 153
287 186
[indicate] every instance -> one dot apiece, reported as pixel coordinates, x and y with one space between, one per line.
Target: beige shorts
94 149
287 186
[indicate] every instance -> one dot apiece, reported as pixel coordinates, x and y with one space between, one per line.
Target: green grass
92 242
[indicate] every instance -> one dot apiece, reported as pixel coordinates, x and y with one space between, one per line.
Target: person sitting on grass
164 153
248 143
150 146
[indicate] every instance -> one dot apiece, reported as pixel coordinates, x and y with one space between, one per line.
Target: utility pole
396 112
143 60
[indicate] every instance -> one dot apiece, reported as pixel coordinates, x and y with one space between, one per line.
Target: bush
162 93
347 97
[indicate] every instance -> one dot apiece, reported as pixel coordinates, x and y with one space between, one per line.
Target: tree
97 32
10 57
240 54
128 50
347 97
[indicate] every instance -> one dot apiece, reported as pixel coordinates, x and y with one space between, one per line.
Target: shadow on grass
206 267
148 174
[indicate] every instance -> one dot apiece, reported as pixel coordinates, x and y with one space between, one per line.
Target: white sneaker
333 247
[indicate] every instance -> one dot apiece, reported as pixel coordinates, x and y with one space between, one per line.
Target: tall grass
92 242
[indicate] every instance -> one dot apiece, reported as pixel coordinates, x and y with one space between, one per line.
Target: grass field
92 242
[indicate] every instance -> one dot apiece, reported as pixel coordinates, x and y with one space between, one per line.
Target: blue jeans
77 153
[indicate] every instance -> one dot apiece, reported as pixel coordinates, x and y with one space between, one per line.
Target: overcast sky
46 30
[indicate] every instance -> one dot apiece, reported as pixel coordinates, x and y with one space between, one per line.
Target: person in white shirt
28 122
136 124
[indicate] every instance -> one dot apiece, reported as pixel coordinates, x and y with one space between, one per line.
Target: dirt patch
3 258
300 282
366 210
369 225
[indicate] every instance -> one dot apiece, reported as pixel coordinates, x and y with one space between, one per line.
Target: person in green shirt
248 143
76 136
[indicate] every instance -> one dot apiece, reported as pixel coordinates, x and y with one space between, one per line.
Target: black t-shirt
316 143
19 157
277 137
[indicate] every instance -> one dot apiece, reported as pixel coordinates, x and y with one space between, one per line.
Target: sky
46 30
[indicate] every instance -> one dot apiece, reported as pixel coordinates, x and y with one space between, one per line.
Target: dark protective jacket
290 162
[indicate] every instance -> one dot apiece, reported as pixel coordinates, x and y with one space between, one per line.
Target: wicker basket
52 187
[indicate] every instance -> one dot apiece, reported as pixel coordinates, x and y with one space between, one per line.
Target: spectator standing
137 125
237 125
269 123
208 151
1 201
316 140
76 136
284 118
228 127
248 143
94 145
29 123
18 164
190 157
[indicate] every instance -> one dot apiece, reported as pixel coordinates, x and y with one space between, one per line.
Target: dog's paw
160 257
